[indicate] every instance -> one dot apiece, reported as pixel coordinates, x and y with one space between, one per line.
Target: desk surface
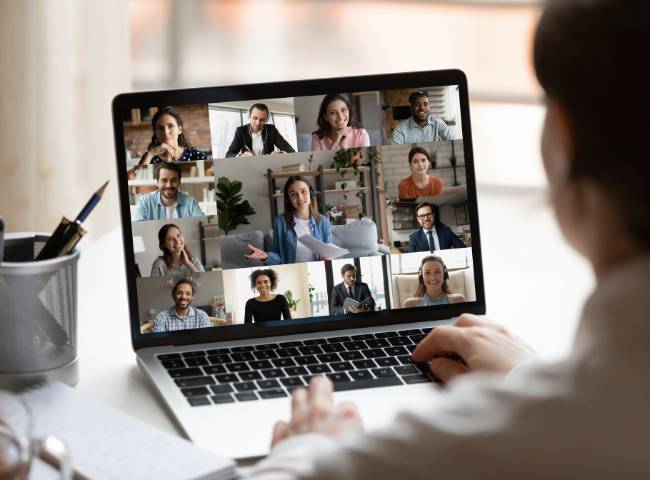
525 260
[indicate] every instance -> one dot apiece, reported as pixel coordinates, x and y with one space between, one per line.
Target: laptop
277 231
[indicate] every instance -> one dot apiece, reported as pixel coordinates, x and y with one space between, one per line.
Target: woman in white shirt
585 416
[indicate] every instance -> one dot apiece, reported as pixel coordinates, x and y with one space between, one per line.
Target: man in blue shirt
168 201
182 315
421 126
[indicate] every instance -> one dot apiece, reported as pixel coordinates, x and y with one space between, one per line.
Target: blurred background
62 62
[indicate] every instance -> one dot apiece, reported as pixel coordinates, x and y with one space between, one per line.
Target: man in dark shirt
350 288
431 237
256 137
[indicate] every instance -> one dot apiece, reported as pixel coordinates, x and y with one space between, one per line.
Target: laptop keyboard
273 370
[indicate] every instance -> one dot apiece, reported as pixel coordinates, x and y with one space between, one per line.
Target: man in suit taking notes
431 237
256 137
350 288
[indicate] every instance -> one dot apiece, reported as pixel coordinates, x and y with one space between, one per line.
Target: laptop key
341 366
373 383
364 364
242 357
273 373
377 343
306 360
417 338
283 362
405 359
400 341
396 351
333 347
383 372
244 386
288 352
219 389
387 361
319 368
408 333
194 381
185 372
355 345
292 382
338 377
360 375
295 371
195 392
168 356
328 357
260 364
314 341
237 367
362 336
196 353
245 396
373 353
296 343
222 358
265 354
217 351
196 361
420 378
338 339
244 348
310 350
222 398
410 348
214 369
351 355
198 401
173 363
272 393
226 378
266 346
406 370
427 330
250 375
266 384
386 334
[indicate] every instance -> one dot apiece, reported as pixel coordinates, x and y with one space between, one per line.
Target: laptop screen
262 212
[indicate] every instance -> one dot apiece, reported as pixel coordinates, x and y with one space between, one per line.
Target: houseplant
233 211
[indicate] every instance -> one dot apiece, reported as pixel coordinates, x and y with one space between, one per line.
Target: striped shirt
410 132
168 320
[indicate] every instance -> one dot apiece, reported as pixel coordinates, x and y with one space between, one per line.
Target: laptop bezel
297 88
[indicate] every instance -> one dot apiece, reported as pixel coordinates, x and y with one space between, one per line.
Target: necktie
431 244
350 292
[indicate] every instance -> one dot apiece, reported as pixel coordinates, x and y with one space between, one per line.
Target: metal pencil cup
38 314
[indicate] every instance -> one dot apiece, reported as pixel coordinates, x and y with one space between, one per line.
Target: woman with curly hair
267 306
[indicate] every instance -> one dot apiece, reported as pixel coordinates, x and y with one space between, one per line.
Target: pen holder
38 314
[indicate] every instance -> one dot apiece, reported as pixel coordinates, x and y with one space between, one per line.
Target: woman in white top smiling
506 414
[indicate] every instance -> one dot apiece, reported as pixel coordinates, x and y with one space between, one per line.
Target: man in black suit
256 137
431 237
358 291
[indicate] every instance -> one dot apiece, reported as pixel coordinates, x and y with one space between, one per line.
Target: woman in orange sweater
419 183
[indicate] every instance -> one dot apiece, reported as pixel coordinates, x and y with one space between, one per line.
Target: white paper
322 249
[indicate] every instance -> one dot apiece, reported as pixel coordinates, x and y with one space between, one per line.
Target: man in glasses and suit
421 126
431 237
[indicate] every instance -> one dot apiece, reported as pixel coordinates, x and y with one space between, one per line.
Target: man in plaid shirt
181 316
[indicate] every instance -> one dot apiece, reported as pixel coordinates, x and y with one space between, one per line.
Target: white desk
524 260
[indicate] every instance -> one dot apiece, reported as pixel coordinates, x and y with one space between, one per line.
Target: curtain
61 63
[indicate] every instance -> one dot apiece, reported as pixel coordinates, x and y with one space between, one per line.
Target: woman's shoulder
159 261
193 153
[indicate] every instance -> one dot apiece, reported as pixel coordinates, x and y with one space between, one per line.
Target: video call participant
176 258
432 285
431 237
337 127
300 218
350 288
421 126
168 201
182 316
256 137
419 183
267 306
169 143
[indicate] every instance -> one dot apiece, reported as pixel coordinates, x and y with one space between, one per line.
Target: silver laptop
277 231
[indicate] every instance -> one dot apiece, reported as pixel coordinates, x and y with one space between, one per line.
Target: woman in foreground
585 416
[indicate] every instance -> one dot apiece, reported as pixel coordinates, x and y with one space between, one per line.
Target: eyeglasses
424 216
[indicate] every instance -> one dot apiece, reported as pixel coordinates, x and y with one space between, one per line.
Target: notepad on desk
105 443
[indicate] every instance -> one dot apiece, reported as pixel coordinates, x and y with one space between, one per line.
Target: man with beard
431 237
182 315
257 137
421 126
168 201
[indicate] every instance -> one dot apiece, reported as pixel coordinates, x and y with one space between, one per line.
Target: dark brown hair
421 150
288 207
324 128
422 288
269 272
168 166
167 255
348 267
182 281
182 139
588 58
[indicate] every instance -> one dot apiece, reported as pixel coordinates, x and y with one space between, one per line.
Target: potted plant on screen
232 209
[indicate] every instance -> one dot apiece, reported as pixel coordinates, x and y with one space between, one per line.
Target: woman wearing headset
300 218
433 288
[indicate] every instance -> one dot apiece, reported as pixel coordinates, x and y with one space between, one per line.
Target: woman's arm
248 312
364 138
286 313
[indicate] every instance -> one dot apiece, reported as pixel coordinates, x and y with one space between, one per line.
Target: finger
319 398
441 341
445 368
347 410
469 320
280 432
299 410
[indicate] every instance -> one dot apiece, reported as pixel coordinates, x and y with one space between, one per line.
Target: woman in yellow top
419 183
